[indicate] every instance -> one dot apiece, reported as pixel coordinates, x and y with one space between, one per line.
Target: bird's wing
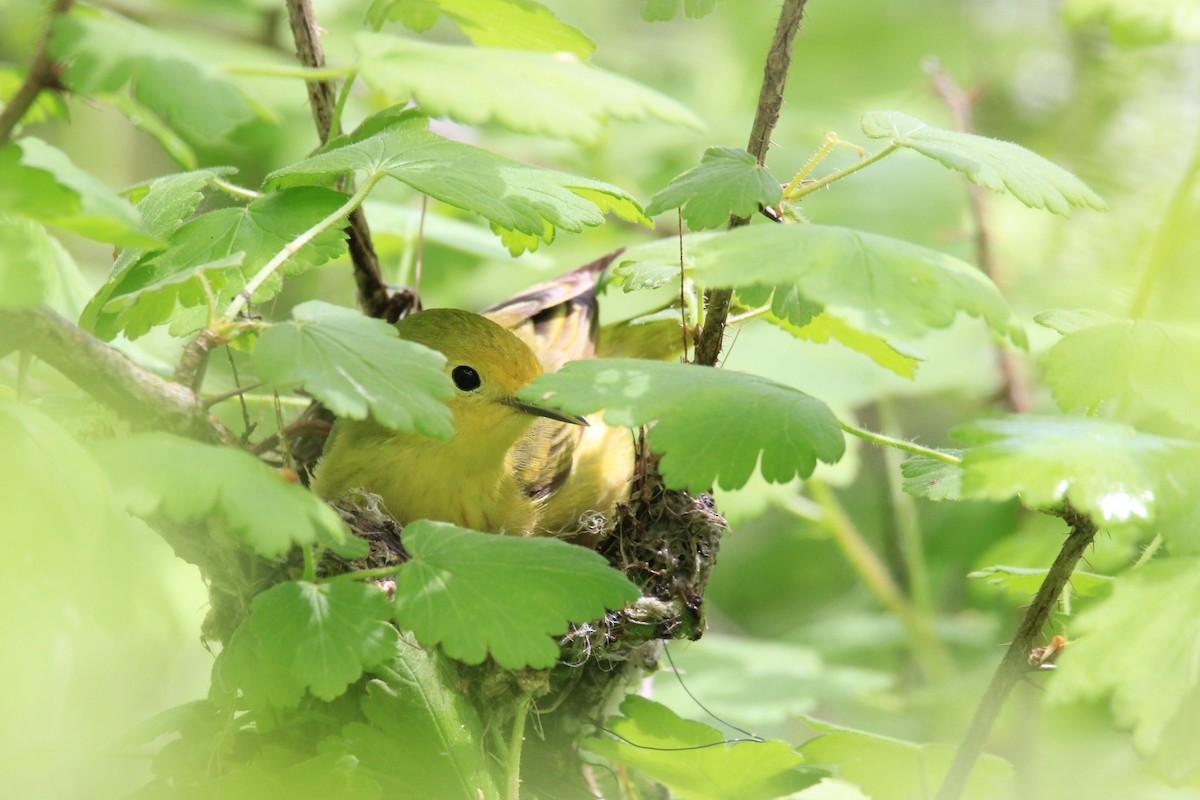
557 319
543 458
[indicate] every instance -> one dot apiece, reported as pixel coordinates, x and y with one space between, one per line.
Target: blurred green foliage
101 620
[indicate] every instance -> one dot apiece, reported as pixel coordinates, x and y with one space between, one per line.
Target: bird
510 467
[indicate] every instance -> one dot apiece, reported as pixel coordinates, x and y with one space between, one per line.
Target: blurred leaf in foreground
1139 647
692 759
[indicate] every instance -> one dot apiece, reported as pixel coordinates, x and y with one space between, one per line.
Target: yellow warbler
510 467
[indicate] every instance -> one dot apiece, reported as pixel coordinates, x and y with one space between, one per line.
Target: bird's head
487 364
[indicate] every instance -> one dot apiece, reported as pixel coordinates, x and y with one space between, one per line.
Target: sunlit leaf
422 736
1139 364
713 425
155 473
39 181
357 366
543 93
994 164
514 197
1138 647
104 52
826 327
673 752
898 288
727 181
1105 469
478 594
307 637
892 769
166 203
24 251
251 236
517 24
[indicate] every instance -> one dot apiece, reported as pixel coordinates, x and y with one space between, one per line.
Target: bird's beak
548 413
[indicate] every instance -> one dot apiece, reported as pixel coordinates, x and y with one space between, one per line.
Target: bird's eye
465 378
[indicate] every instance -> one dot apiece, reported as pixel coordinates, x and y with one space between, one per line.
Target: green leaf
514 197
1106 469
25 249
996 165
422 737
104 52
891 769
692 761
713 424
167 203
727 181
1141 365
311 637
254 234
664 10
478 594
1139 647
1022 583
39 181
155 473
758 681
932 479
356 365
1147 23
826 326
899 288
518 24
528 92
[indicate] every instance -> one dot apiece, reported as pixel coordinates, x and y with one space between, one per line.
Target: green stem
900 444
235 190
283 71
927 648
335 122
513 782
809 188
294 246
904 512
1150 551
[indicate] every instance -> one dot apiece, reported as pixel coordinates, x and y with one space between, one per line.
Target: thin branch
1015 664
770 99
43 74
373 294
141 397
960 103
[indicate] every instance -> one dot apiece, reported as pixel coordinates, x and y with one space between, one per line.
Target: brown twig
1015 664
960 103
373 294
43 74
770 99
141 397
